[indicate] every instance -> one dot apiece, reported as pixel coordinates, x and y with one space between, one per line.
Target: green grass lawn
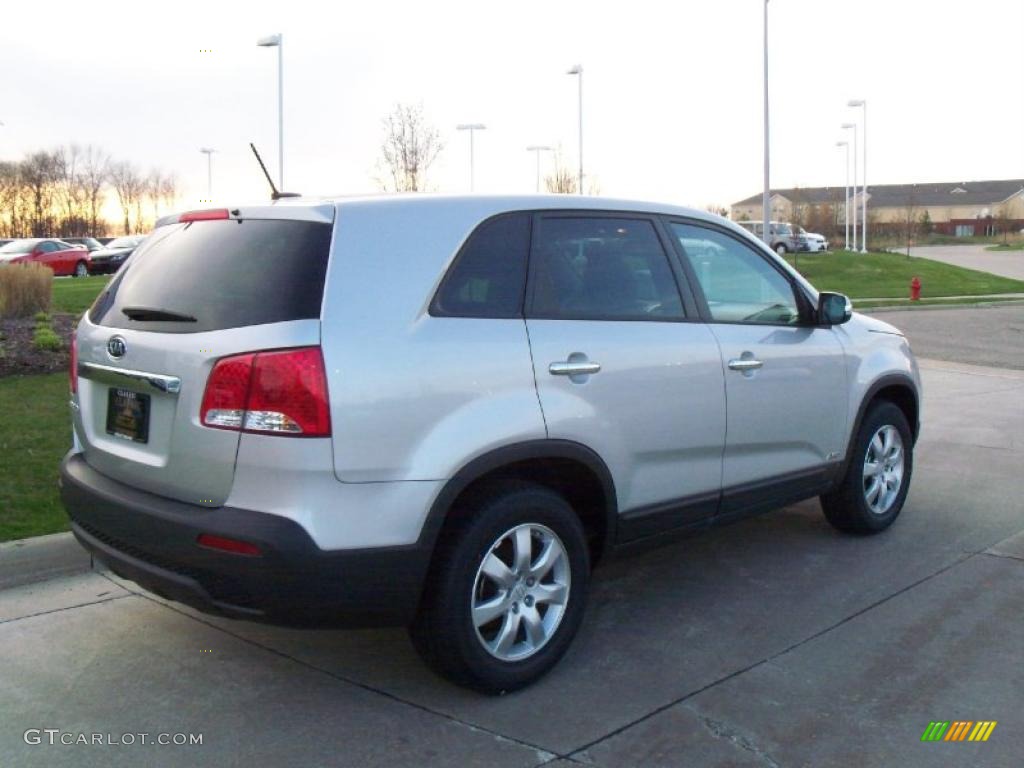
885 275
36 434
1006 247
74 295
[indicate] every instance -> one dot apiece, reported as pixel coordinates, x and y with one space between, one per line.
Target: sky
672 91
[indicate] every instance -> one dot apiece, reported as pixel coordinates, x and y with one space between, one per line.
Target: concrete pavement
1005 263
772 642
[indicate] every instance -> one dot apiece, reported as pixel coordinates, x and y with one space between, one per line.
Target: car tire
472 626
871 494
781 249
81 269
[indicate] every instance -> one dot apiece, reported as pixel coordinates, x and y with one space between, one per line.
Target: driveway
1005 263
772 642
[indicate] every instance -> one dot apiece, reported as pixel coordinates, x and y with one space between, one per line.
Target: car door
47 255
785 376
624 366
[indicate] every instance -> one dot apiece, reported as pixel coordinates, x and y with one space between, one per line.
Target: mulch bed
18 356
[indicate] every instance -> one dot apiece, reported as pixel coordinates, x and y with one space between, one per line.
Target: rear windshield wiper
156 315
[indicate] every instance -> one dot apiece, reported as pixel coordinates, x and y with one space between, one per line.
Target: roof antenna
274 194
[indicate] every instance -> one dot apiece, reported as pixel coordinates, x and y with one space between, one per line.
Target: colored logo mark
959 730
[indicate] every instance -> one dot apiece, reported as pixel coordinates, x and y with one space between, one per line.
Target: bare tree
718 210
909 220
169 191
70 190
411 145
39 174
153 191
94 175
1004 221
562 180
129 186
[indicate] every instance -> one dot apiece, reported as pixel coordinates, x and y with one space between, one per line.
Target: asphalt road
1005 263
773 642
992 336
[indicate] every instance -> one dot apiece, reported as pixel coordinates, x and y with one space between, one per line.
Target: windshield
783 229
123 242
20 246
219 274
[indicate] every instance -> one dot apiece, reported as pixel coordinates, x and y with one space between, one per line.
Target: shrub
46 338
25 289
42 317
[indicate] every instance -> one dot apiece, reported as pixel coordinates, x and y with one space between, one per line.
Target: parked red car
63 258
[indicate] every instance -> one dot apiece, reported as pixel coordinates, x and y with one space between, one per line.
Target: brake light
234 546
281 392
73 363
213 214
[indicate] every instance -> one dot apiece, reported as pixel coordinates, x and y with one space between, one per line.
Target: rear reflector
228 545
73 363
282 392
212 214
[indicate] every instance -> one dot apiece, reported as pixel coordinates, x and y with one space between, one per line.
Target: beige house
956 208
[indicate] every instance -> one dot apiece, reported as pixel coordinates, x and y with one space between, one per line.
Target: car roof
324 209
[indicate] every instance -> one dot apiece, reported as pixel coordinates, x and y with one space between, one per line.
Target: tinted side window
602 269
488 277
739 284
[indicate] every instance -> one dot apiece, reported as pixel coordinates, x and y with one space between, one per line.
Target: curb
41 558
919 307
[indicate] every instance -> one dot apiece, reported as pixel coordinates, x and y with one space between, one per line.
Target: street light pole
765 207
208 151
577 70
277 41
846 127
846 192
537 149
471 127
864 183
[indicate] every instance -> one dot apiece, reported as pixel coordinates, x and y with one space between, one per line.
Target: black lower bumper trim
151 540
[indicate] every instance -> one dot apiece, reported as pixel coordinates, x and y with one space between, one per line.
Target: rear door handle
743 364
574 369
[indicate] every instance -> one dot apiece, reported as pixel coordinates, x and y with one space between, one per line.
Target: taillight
281 392
73 363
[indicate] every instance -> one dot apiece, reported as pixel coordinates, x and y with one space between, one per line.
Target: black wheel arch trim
507 455
884 382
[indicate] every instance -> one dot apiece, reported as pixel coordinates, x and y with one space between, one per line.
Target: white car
815 243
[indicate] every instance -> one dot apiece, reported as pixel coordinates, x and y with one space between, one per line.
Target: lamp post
277 41
846 192
847 127
864 183
471 127
208 151
577 70
766 217
537 149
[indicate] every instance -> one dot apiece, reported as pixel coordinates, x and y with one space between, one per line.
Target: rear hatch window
211 275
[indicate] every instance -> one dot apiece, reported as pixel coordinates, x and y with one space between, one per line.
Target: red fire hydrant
915 289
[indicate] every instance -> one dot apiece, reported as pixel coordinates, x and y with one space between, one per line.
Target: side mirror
834 308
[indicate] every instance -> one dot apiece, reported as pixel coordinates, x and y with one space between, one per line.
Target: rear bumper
151 540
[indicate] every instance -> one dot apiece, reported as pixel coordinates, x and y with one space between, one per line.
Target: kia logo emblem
116 347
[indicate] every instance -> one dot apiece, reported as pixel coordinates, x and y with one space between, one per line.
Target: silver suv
441 412
783 238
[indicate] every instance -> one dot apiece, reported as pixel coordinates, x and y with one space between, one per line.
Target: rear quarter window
488 277
225 274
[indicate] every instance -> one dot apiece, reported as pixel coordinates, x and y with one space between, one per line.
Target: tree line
62 193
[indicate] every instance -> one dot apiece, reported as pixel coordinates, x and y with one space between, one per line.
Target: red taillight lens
73 363
281 393
233 546
213 214
226 390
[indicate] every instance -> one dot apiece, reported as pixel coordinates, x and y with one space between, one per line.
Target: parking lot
772 642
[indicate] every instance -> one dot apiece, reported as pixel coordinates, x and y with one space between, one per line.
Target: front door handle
574 368
745 364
